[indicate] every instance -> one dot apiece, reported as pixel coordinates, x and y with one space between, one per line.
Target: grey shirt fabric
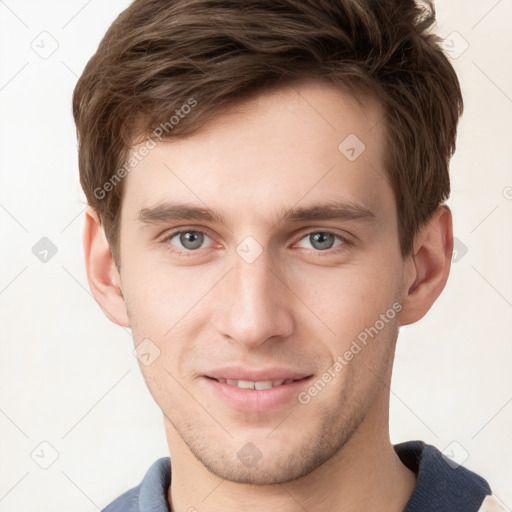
150 495
441 484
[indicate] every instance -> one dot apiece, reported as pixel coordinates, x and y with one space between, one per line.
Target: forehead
304 142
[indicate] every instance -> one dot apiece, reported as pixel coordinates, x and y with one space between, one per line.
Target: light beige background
68 377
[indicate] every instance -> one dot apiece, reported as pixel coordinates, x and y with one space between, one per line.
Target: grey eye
321 240
191 239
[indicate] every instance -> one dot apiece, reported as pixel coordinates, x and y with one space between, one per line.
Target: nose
253 303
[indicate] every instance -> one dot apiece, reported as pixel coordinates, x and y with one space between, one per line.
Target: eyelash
187 253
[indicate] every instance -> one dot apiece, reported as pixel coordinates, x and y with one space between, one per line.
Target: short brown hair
160 54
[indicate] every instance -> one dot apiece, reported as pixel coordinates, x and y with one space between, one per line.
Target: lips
255 390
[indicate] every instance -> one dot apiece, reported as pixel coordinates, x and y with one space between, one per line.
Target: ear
428 267
104 279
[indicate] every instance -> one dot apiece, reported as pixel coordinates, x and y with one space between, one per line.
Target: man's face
256 294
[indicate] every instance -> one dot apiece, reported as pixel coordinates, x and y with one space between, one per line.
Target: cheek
158 296
166 312
350 298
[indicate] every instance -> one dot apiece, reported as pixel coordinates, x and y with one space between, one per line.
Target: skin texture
295 306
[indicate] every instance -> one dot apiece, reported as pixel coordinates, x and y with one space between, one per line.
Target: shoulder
442 484
127 502
150 495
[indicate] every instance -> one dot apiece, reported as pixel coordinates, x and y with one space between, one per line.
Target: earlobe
428 265
102 275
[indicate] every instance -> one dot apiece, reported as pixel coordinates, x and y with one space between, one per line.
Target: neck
361 476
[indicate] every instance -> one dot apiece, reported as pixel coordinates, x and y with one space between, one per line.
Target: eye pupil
191 239
322 240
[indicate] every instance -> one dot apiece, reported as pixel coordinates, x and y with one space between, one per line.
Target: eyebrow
338 210
333 210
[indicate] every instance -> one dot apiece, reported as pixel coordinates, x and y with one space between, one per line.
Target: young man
266 182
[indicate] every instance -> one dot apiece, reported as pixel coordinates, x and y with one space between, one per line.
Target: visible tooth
245 384
265 384
249 384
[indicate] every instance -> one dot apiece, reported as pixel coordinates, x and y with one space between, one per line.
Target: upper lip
256 375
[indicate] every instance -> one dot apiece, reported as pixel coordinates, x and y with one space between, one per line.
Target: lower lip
256 400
